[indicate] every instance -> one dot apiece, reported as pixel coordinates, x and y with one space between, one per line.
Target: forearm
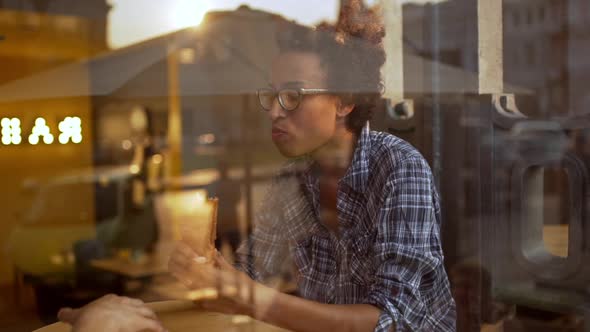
301 315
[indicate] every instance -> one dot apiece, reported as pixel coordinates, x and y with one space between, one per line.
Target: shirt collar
357 174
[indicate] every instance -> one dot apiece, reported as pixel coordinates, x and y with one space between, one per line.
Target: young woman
357 212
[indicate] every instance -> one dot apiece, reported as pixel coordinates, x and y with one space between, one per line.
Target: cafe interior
112 148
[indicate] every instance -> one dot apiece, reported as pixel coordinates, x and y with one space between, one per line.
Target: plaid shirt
388 252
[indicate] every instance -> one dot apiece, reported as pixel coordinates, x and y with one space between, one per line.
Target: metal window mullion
392 71
490 46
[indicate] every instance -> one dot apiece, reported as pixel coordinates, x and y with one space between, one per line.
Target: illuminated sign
70 130
11 133
41 129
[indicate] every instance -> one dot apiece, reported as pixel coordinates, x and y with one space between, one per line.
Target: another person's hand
219 286
112 313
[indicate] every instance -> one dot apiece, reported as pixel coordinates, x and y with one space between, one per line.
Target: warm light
56 259
157 159
240 319
126 144
188 13
187 55
138 119
70 129
40 130
134 169
190 202
202 294
200 197
103 181
207 139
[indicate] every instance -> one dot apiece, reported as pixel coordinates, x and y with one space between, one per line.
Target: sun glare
188 13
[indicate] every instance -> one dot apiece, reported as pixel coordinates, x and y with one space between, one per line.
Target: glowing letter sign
11 132
70 130
41 130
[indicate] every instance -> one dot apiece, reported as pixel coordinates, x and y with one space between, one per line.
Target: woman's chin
288 151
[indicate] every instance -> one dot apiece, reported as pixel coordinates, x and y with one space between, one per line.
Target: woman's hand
217 285
112 313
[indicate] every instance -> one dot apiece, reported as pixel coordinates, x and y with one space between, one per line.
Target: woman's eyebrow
291 84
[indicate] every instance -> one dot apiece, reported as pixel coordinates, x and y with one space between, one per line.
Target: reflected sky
135 20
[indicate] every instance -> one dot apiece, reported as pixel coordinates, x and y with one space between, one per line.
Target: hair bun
356 20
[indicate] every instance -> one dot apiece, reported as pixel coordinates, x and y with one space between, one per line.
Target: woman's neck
334 157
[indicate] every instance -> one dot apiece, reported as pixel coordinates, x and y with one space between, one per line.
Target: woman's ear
343 110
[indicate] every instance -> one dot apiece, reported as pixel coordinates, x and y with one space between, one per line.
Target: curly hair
351 51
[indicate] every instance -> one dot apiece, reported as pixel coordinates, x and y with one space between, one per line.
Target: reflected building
513 179
544 50
546 43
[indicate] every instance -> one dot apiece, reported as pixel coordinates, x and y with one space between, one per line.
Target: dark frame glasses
289 98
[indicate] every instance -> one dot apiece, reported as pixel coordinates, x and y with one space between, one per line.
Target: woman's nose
276 111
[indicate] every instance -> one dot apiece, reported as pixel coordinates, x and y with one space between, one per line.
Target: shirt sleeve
411 286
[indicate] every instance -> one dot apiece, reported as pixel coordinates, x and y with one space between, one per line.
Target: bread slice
201 232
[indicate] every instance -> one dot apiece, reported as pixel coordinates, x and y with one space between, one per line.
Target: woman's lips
278 134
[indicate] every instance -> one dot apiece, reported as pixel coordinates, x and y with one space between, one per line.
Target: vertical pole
393 69
174 116
567 81
437 120
247 155
491 82
490 48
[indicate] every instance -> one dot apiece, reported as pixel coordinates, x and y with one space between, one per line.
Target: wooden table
181 316
130 269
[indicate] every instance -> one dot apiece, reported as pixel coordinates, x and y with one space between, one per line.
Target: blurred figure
112 313
229 193
139 229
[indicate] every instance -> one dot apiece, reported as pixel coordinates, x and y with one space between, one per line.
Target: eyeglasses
289 98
